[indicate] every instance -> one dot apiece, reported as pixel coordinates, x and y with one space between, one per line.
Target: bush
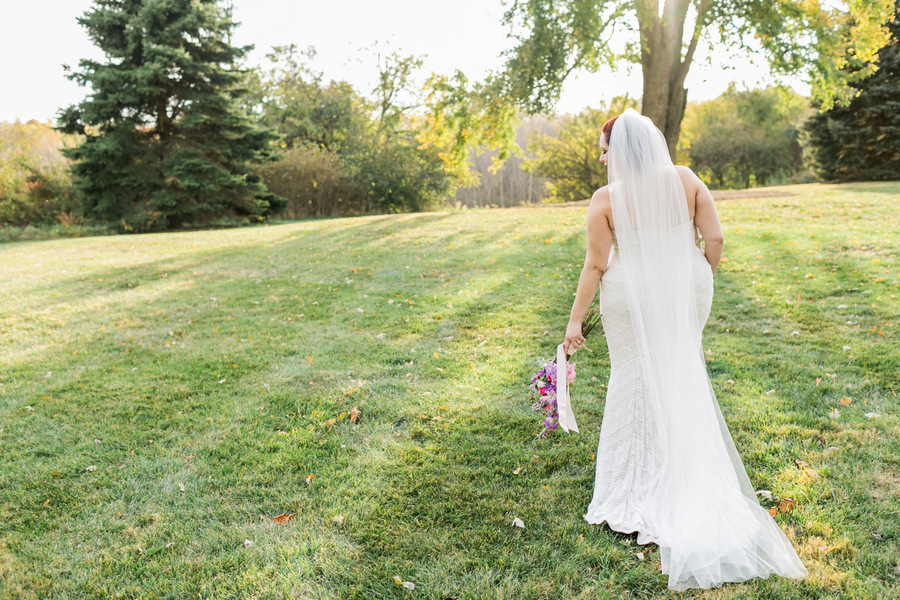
35 183
744 139
314 182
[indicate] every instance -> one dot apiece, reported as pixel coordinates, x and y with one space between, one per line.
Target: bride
666 465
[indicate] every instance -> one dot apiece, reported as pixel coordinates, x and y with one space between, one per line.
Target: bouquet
549 392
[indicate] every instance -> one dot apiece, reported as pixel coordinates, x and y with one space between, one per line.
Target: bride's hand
574 339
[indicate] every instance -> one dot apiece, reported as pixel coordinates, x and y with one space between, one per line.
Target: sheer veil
704 514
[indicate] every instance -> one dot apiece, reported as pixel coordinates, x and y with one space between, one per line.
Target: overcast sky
38 36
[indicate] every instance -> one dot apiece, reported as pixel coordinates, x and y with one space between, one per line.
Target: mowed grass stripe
208 375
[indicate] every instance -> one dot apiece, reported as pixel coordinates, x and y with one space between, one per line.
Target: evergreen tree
862 140
166 143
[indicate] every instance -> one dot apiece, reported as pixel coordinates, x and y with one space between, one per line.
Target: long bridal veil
702 510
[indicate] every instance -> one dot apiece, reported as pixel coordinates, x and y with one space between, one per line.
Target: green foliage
296 102
461 118
561 37
35 184
558 37
860 141
744 139
166 143
571 159
364 153
314 181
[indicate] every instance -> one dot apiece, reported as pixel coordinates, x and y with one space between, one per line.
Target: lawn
163 398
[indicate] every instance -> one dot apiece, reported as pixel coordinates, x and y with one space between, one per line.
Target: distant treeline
337 152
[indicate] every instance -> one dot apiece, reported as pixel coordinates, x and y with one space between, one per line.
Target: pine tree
862 140
166 143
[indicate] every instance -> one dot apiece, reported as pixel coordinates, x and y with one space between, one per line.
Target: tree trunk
664 69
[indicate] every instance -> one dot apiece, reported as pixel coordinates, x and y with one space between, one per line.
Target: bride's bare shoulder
688 177
600 206
600 199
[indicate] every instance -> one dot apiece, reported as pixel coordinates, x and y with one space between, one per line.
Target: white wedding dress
666 464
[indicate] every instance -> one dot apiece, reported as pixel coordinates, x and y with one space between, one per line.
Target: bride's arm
707 220
599 241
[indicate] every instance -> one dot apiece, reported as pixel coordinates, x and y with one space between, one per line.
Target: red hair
607 128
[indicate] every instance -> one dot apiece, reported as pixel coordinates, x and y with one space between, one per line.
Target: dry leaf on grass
845 401
283 518
801 463
354 414
517 522
787 505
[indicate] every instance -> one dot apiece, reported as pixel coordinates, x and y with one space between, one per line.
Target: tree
295 100
571 159
363 152
35 183
747 138
860 141
166 143
562 36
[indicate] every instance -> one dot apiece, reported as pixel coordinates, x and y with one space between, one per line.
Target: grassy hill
163 398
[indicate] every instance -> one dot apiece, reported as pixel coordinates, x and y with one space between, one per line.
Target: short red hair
607 128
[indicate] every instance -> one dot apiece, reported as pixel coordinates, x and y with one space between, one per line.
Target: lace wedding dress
666 464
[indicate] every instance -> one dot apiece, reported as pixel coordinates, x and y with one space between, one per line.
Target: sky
38 36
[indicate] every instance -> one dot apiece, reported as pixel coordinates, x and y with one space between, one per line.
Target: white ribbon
563 404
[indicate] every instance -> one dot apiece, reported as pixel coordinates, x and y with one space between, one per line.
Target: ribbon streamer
563 403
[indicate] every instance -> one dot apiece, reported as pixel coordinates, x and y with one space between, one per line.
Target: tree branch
702 12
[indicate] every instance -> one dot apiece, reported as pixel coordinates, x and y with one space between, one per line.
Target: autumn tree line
177 132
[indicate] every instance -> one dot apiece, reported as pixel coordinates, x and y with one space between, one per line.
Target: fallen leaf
181 487
169 545
765 494
354 414
786 505
517 471
409 585
436 355
846 401
878 537
872 415
91 468
283 518
640 555
397 580
248 543
818 379
517 522
801 463
309 479
810 473
773 511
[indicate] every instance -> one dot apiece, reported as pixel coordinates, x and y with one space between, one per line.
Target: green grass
207 375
